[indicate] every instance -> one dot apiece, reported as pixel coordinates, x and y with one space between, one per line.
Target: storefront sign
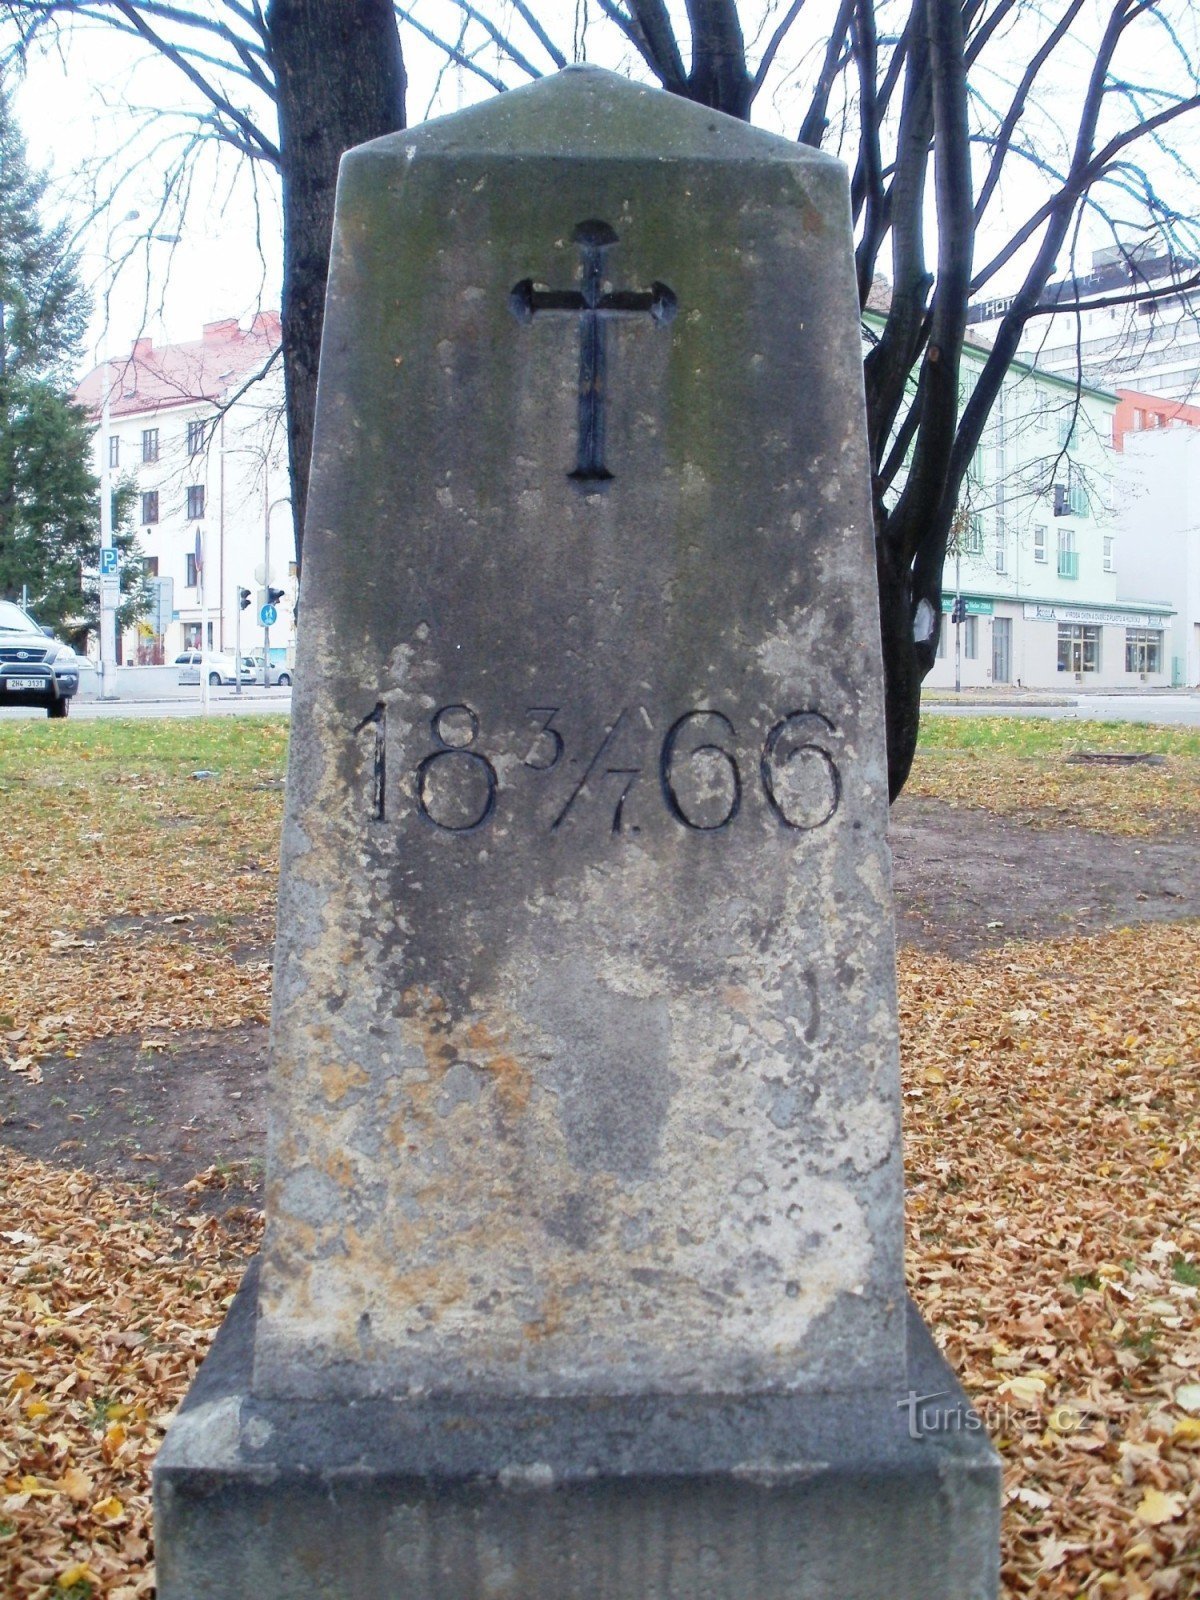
1094 615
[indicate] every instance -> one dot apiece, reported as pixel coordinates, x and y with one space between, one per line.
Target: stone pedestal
651 1497
583 1269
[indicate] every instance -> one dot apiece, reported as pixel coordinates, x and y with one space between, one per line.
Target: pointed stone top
587 111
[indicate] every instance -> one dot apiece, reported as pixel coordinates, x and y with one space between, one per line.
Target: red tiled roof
180 374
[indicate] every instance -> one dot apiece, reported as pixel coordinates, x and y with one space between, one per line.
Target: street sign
162 604
268 616
108 562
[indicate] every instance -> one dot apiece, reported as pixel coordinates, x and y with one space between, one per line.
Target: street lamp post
109 580
283 500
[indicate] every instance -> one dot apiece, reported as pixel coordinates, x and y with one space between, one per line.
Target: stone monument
583 1269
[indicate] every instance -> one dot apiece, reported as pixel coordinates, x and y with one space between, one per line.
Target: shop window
1078 648
1143 650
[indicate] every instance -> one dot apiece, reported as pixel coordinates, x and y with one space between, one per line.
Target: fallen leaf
1157 1507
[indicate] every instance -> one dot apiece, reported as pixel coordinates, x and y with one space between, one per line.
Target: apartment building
1036 556
199 429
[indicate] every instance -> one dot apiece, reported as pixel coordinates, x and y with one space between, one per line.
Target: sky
213 249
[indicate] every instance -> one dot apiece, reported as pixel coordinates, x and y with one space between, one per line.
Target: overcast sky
83 114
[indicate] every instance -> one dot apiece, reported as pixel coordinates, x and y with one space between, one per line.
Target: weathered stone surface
761 1497
585 1065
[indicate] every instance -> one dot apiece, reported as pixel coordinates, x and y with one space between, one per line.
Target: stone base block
768 1497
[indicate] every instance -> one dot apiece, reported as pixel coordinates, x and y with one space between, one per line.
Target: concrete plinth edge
712 1497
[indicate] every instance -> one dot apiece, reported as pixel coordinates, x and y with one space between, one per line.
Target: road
1171 710
221 703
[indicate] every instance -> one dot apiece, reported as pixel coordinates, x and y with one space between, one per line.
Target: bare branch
928 483
767 59
870 158
500 40
455 54
661 48
812 129
266 148
539 33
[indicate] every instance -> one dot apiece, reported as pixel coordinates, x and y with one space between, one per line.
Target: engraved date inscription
702 763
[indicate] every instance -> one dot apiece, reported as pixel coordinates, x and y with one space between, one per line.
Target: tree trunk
905 663
340 81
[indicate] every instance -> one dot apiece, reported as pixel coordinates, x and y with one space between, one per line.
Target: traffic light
243 598
959 614
274 596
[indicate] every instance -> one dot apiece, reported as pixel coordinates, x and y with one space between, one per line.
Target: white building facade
1159 480
199 430
1037 553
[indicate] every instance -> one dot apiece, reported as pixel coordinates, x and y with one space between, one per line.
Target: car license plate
27 683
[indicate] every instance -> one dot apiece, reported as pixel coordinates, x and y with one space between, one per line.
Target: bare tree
943 109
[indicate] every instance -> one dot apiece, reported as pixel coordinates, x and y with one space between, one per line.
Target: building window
973 537
971 638
1078 648
149 444
1068 560
1066 426
195 438
1071 498
195 500
1001 552
191 634
1143 650
1039 543
190 580
150 566
114 450
1110 564
150 505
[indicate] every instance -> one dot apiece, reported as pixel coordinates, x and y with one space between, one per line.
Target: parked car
221 666
278 672
35 669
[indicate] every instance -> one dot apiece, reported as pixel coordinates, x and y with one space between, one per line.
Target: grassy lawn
1052 1125
1022 767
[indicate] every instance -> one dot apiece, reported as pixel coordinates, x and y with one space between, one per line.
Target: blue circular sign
268 616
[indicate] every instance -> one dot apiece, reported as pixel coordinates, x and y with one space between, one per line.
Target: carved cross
594 308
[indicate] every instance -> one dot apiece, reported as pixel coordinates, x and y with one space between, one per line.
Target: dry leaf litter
1051 1099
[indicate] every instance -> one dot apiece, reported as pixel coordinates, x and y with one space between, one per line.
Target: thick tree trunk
340 80
905 662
